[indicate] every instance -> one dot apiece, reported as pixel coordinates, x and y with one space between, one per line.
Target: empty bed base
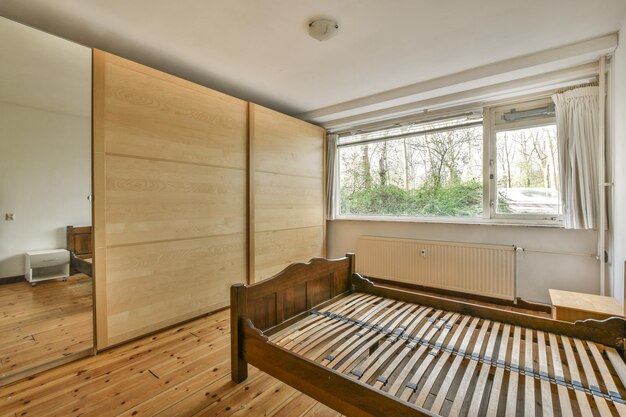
369 350
454 364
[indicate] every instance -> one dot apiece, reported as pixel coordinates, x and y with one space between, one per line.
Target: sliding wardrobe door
287 168
46 305
170 198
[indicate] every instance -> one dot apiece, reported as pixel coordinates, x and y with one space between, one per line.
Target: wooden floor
183 371
40 324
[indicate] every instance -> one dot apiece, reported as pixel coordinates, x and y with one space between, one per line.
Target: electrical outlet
9 216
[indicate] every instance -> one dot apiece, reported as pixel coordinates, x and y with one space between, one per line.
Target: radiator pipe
556 252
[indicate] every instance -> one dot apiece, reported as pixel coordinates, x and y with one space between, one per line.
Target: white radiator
487 270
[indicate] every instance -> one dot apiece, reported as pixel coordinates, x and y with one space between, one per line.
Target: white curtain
331 152
577 114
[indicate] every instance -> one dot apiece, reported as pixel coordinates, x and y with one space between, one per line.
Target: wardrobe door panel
170 198
287 163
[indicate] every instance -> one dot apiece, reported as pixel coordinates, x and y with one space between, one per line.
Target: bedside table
43 265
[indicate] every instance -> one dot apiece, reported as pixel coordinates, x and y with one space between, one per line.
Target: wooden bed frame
79 243
267 311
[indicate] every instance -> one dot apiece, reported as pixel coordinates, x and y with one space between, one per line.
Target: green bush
464 199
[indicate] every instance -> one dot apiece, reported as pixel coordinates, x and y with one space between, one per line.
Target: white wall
45 141
537 272
619 164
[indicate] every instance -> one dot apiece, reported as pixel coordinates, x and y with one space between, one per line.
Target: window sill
458 220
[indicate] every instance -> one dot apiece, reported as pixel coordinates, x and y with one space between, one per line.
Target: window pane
434 174
528 171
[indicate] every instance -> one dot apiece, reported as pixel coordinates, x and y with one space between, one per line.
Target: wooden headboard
293 291
79 241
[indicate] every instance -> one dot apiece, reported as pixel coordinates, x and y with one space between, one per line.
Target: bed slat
581 397
511 395
469 371
386 374
434 373
529 381
496 387
411 387
603 407
564 401
618 364
390 323
398 385
292 332
546 390
451 373
607 378
484 371
321 322
339 327
375 361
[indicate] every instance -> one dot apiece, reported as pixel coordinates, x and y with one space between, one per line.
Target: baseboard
30 372
162 329
12 280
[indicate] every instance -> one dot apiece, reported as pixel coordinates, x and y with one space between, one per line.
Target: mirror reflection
46 308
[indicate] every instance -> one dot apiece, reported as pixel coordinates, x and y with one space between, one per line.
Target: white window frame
489 216
490 166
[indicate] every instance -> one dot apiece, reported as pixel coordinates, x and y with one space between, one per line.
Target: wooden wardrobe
287 158
194 190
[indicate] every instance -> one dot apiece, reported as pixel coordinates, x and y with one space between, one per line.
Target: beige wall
45 141
537 272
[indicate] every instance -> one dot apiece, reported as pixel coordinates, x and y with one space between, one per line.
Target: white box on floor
42 265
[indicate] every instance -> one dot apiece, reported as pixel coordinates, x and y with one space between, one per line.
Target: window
448 168
424 169
526 179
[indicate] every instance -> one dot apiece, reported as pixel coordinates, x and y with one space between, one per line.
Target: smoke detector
323 29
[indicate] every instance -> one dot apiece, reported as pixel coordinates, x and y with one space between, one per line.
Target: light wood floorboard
43 323
182 371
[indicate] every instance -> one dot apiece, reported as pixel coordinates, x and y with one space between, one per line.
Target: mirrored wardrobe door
46 304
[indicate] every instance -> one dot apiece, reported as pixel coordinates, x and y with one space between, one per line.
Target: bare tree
382 165
405 157
506 155
552 160
526 164
365 167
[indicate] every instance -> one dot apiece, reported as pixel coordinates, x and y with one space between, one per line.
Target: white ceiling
259 50
53 69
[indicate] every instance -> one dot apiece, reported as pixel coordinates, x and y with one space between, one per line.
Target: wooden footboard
332 334
79 243
79 265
